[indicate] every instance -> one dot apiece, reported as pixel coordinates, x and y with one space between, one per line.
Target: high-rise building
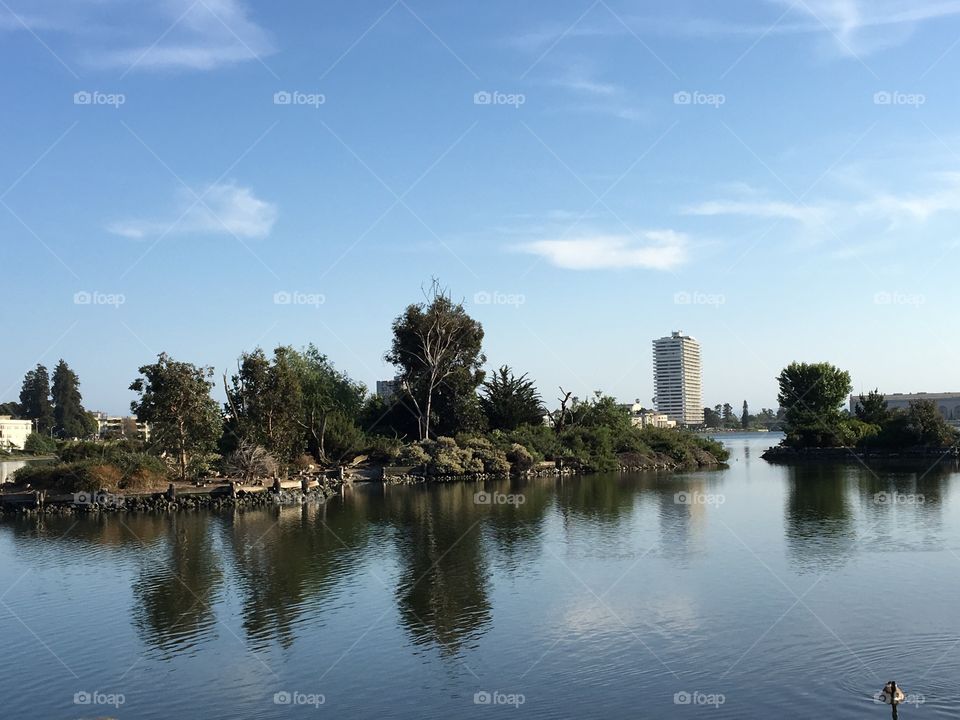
677 378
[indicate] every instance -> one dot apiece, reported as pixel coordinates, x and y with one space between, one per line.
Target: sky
779 179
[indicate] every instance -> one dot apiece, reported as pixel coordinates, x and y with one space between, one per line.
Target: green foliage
436 349
35 400
509 401
13 409
872 408
185 421
70 419
541 441
811 395
520 459
38 444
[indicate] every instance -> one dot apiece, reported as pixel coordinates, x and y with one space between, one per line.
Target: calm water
788 592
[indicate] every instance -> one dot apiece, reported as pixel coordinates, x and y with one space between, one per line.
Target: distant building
13 433
641 417
114 426
387 389
947 403
677 378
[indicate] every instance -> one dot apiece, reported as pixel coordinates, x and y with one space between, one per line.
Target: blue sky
779 179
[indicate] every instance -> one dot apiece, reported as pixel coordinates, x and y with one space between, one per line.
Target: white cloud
225 209
658 250
763 209
169 35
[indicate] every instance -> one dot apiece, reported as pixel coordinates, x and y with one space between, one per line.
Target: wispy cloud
893 211
169 35
653 250
224 209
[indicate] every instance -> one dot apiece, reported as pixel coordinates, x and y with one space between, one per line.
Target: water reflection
174 595
819 525
442 590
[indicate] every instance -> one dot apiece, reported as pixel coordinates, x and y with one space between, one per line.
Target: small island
817 429
293 423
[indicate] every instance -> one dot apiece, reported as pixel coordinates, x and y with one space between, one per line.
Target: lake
747 592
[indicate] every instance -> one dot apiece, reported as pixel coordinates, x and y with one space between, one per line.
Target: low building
13 433
641 417
115 426
947 403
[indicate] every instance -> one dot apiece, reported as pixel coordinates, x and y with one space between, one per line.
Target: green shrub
38 444
519 458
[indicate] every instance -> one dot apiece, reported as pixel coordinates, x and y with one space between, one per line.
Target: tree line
292 407
813 395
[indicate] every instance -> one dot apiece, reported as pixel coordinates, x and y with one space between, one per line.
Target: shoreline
299 491
786 455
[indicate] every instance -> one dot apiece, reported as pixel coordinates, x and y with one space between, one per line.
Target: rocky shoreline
787 455
301 490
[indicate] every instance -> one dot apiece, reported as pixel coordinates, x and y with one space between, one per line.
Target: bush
383 449
250 462
38 444
519 458
413 455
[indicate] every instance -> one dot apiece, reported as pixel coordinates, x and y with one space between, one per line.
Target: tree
872 408
35 399
38 444
928 424
509 401
437 345
175 399
12 409
70 419
745 416
331 404
811 395
265 403
711 418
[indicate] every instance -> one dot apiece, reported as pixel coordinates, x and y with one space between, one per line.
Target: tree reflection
819 523
442 590
174 595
